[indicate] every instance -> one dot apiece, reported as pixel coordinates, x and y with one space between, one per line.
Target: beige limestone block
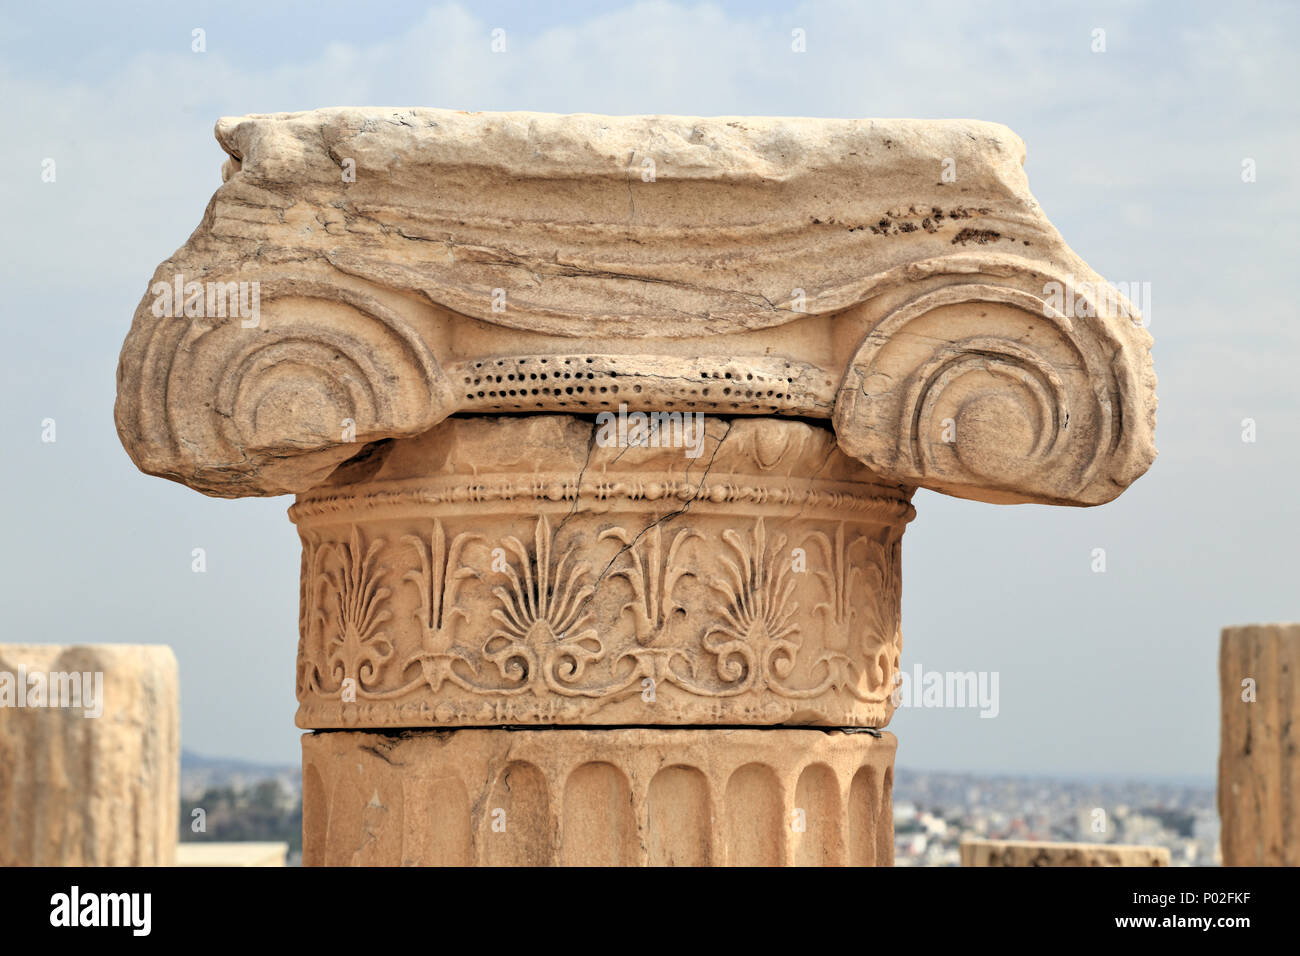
1036 853
1259 751
516 571
392 267
586 797
78 789
231 854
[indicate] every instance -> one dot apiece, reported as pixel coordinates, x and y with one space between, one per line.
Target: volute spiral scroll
284 395
987 390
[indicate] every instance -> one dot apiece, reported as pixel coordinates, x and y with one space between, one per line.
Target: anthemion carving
556 579
796 323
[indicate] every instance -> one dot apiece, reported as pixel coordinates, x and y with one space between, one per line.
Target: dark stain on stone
980 236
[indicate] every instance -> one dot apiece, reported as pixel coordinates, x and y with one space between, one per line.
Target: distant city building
934 811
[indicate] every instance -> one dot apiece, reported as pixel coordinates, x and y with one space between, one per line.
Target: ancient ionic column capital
609 427
395 267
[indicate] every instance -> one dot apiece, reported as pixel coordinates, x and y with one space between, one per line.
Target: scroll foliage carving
379 313
357 648
611 606
437 580
539 624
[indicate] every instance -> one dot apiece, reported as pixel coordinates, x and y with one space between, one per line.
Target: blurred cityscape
225 801
933 811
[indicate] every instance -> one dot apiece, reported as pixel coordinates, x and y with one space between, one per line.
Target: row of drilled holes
556 375
735 406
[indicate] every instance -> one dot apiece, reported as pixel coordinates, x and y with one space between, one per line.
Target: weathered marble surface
96 783
411 264
582 797
1259 751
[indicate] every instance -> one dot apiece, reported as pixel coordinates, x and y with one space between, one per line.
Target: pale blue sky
1135 154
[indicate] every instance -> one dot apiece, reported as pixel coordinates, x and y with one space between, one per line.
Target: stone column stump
1044 853
603 433
1259 751
89 755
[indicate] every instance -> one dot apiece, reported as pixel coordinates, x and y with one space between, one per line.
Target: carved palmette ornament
513 570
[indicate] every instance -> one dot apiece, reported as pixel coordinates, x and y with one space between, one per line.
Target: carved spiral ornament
290 390
988 391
